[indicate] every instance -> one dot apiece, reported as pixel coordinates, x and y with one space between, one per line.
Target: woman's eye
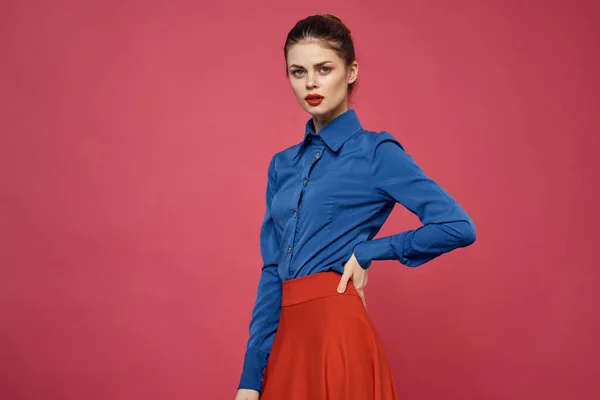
297 72
325 69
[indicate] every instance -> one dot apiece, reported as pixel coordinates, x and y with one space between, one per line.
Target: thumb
344 282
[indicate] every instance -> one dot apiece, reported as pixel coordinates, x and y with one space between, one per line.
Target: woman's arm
446 226
267 307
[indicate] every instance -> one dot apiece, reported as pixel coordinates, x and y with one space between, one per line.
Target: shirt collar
336 132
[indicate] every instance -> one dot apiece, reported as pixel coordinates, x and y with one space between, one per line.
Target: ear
352 72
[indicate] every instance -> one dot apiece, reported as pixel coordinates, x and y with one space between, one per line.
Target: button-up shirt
326 198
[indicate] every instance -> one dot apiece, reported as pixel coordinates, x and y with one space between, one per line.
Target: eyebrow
316 65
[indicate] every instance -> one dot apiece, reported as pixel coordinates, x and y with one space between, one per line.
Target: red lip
314 99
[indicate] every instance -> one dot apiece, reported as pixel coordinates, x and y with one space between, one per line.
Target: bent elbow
468 234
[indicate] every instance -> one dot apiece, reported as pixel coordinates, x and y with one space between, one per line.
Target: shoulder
388 155
285 155
282 159
378 142
386 138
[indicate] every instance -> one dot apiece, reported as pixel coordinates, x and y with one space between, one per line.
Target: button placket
318 154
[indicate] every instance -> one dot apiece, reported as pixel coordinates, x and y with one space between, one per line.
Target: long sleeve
265 315
445 225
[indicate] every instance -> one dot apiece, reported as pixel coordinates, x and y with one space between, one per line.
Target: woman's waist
313 286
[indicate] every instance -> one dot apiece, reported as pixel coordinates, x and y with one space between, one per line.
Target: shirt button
295 214
289 249
305 181
318 154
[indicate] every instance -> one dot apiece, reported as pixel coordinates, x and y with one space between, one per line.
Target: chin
318 111
323 110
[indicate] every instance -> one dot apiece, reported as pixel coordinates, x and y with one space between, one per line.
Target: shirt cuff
376 249
255 362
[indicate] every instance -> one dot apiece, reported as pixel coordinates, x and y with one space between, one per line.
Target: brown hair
330 31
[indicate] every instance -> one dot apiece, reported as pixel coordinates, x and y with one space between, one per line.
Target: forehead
310 53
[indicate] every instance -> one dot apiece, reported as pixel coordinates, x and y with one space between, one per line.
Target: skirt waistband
313 286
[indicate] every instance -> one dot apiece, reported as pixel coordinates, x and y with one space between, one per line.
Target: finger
359 284
344 282
359 281
361 293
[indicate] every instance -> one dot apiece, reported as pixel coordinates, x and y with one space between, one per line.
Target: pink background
134 142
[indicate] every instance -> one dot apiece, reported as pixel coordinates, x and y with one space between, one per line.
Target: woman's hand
246 394
359 276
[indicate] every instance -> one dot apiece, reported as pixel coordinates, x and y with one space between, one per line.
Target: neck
320 121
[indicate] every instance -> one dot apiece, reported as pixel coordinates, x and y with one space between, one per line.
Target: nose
311 82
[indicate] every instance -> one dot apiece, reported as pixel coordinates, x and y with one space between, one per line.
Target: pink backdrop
134 142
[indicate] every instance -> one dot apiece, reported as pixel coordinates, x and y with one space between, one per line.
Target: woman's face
316 70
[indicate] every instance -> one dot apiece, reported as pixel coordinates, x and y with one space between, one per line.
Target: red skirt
326 347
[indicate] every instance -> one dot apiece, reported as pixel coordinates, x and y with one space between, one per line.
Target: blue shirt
327 197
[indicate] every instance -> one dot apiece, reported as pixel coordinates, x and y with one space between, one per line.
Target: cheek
336 84
297 87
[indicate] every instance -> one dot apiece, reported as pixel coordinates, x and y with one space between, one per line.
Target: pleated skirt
326 347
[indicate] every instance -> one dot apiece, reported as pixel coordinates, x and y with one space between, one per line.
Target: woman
326 198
